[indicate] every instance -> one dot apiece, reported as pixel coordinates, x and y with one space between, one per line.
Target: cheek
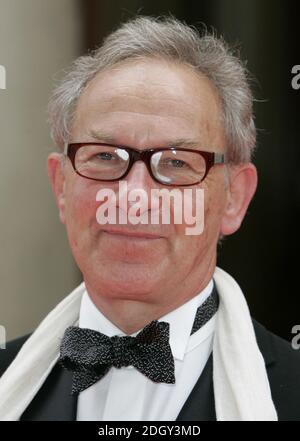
81 204
214 207
190 234
205 210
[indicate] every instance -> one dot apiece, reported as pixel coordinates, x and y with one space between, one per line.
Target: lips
131 233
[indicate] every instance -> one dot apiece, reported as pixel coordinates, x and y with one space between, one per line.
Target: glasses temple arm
219 158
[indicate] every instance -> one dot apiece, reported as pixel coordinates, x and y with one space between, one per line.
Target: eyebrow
102 136
183 142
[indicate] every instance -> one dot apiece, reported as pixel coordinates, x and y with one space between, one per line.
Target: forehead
146 101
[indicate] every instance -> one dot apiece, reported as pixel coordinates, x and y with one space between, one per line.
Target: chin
126 290
127 280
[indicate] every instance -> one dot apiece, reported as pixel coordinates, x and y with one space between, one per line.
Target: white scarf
241 386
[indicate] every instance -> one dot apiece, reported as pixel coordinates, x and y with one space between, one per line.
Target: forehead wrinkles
150 79
135 96
153 89
143 106
144 76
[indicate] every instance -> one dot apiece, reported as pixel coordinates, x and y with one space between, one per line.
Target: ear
57 179
242 186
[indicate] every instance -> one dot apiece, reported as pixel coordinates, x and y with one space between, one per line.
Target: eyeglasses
168 166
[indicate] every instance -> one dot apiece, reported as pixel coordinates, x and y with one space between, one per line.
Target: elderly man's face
145 104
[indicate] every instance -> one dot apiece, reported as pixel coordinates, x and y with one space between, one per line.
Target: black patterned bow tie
90 354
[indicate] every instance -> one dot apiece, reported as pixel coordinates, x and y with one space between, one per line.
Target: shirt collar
180 320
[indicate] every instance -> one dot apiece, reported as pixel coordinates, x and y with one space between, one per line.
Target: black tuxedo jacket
53 402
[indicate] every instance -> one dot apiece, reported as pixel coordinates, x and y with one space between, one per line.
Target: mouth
131 235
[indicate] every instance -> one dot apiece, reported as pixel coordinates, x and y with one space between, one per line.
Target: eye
177 163
173 163
105 155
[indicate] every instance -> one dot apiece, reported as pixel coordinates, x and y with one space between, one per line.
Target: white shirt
126 394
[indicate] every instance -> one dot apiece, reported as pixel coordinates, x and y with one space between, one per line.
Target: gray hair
170 39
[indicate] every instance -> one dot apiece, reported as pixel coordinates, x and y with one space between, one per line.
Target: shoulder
283 369
8 354
276 350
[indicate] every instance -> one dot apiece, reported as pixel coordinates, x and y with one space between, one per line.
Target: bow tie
90 354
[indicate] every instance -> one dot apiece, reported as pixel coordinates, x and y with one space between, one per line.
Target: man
156 331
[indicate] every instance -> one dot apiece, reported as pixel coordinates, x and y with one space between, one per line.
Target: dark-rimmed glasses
168 165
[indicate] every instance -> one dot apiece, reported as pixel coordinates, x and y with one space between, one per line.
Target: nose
139 177
139 186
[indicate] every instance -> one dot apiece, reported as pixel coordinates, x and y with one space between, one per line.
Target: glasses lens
178 167
101 162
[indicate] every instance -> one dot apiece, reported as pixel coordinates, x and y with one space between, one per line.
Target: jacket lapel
200 404
53 401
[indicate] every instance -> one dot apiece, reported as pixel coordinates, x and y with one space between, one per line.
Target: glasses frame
211 159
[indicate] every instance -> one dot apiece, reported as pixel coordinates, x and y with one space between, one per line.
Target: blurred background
38 39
